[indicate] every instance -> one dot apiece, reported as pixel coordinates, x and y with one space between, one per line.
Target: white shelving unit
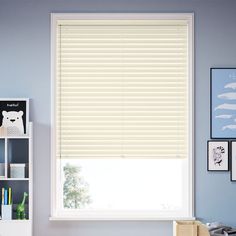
18 149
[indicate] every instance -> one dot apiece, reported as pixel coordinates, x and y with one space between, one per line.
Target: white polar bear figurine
12 121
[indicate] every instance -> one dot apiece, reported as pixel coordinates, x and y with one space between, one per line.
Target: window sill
118 218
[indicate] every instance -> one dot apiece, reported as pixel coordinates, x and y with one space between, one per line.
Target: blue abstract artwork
223 103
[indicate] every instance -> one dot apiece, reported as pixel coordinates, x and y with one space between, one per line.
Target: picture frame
217 155
233 161
223 103
14 116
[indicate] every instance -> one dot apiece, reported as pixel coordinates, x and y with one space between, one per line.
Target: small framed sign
14 116
218 155
233 161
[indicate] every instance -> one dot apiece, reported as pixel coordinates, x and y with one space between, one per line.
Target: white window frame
55 214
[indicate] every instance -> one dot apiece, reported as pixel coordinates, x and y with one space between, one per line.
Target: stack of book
6 196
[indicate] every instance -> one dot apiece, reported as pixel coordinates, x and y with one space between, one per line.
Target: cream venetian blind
122 89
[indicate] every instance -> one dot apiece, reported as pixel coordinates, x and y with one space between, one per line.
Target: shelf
14 179
15 137
14 221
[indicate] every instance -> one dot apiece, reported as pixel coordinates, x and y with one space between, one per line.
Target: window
122 128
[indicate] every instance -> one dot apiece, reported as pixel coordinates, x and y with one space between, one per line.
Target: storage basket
190 228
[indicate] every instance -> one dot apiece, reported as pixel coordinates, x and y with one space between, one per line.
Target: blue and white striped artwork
223 103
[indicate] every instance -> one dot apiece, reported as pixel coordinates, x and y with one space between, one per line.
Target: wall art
14 116
223 103
233 161
218 155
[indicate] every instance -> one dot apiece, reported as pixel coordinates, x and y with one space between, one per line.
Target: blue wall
25 72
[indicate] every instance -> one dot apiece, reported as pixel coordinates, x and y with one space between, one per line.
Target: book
5 197
9 196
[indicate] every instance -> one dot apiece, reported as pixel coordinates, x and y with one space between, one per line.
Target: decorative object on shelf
17 170
233 161
6 212
218 155
2 169
223 102
20 210
14 116
6 204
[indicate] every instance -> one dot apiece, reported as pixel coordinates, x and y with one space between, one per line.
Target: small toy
20 209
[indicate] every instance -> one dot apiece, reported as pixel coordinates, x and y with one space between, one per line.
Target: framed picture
223 103
233 161
14 116
218 155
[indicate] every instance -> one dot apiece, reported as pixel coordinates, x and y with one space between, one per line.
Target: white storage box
17 170
2 169
6 212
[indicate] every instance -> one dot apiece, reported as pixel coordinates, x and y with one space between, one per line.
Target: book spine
9 196
3 196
